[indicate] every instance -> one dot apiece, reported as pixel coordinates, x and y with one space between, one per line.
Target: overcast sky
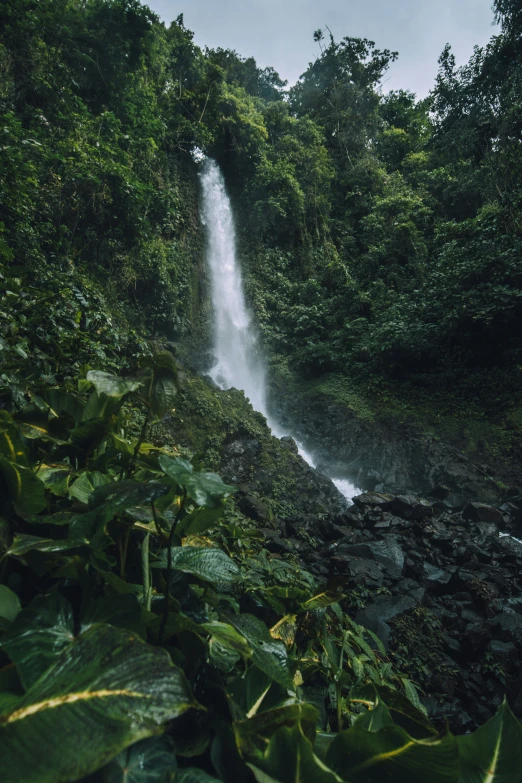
279 32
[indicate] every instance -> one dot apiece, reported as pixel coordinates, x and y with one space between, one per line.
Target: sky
280 32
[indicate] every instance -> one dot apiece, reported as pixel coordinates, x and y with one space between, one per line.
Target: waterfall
238 360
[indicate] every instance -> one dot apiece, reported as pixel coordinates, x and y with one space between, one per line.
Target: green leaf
23 544
289 758
252 734
493 753
107 690
227 635
26 489
223 658
199 520
401 709
320 601
194 775
112 385
362 756
86 483
117 496
149 761
11 446
206 489
123 611
10 604
249 690
268 654
375 718
55 478
163 394
38 636
207 563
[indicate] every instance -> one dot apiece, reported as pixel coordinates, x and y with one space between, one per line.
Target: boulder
387 553
376 615
480 512
370 500
410 507
440 492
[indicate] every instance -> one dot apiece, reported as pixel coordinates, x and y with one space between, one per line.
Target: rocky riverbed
440 587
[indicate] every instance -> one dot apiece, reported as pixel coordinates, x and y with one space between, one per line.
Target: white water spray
236 347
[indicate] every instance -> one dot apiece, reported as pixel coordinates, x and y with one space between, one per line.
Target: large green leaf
11 446
226 645
124 611
207 563
206 489
9 603
268 654
38 636
112 385
199 520
493 753
194 775
55 478
163 394
252 734
289 758
117 496
24 543
26 489
107 690
361 756
86 483
402 711
227 635
149 761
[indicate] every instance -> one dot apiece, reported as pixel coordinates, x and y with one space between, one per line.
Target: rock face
444 589
382 456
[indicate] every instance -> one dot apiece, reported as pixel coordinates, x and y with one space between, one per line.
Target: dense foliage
144 633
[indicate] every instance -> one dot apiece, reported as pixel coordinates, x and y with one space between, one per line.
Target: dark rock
509 625
361 571
503 651
431 575
373 499
480 512
252 507
376 615
410 507
278 545
440 492
510 546
387 553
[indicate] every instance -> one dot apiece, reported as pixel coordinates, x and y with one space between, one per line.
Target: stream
238 356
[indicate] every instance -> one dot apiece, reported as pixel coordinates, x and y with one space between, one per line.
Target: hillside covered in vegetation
181 597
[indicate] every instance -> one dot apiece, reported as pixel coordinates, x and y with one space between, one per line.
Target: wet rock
440 492
376 615
503 651
431 575
410 507
509 625
279 545
510 546
360 570
252 507
370 500
387 553
480 512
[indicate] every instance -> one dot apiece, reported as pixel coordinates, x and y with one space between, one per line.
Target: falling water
236 348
